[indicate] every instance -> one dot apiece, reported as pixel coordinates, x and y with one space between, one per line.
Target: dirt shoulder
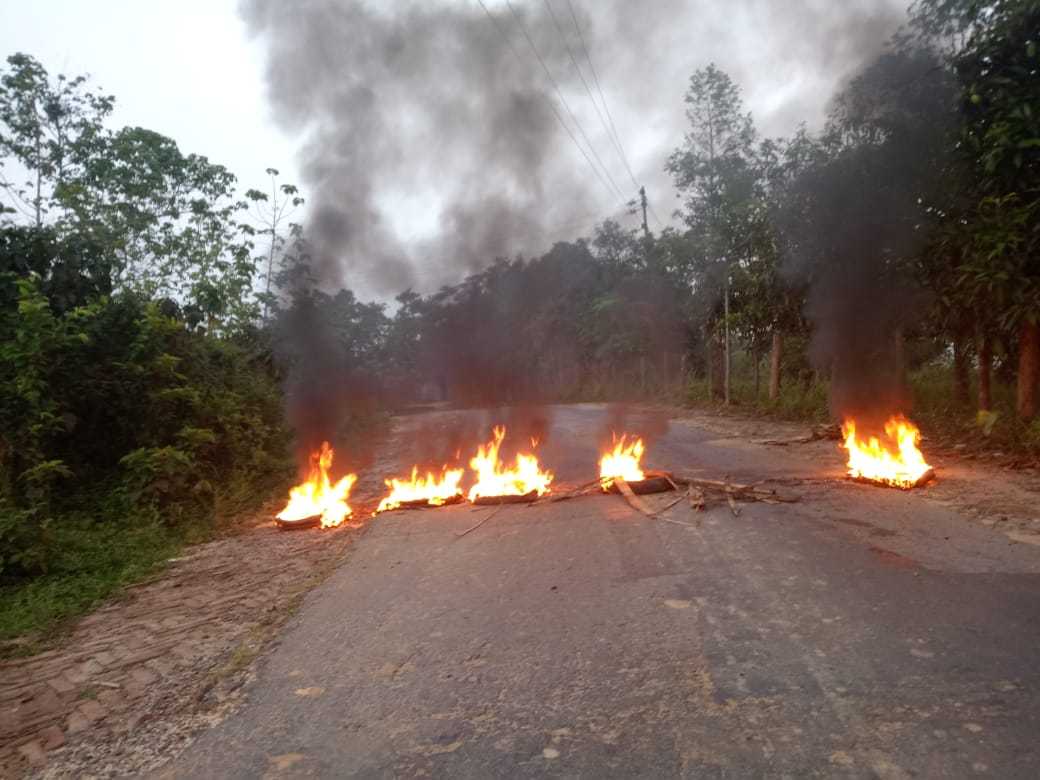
134 676
992 488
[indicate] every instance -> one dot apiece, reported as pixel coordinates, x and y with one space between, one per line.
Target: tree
272 215
714 174
990 230
50 128
157 221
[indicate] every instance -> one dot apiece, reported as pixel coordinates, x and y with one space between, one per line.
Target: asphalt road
861 632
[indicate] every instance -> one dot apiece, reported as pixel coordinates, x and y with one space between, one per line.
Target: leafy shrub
131 412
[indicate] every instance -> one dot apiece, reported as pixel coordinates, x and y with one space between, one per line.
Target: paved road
862 632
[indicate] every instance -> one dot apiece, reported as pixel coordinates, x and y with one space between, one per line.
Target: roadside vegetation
140 405
151 310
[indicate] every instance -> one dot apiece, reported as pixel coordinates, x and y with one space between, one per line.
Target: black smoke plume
428 148
858 212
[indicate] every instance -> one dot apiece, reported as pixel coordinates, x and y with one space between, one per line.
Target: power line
563 99
548 100
599 88
588 91
613 133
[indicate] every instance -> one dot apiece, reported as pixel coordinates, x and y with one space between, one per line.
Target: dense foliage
139 402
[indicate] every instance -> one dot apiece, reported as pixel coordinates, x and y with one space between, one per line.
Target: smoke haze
430 143
428 147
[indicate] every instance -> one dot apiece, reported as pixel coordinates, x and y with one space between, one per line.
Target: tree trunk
985 367
1028 369
718 369
758 371
709 367
729 361
961 371
774 366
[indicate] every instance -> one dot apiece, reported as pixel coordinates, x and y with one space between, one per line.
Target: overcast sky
184 68
191 70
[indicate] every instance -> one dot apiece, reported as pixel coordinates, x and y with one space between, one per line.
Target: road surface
861 632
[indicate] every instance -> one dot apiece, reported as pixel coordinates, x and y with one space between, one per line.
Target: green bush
123 433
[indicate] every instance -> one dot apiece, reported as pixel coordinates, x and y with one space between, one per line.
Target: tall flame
895 461
494 479
318 495
622 461
429 488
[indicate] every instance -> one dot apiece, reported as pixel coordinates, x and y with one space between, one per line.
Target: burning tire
646 486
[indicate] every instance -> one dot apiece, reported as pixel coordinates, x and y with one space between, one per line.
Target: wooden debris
669 505
732 505
635 502
696 496
819 433
588 488
785 442
830 431
739 491
491 514
652 484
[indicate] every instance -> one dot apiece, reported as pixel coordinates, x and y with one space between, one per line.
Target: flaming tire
298 525
922 480
424 503
642 487
526 498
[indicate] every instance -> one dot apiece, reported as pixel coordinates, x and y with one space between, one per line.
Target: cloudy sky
185 69
420 131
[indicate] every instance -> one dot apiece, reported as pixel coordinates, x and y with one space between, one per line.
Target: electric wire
588 91
552 105
606 107
523 28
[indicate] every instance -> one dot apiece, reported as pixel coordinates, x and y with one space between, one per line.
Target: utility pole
642 200
726 373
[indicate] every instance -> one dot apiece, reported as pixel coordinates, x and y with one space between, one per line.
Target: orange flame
622 462
895 461
318 496
429 488
495 480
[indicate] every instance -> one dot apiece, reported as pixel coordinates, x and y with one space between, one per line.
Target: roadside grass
92 555
92 559
797 402
104 545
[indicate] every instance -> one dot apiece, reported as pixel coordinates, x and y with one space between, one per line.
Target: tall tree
713 172
50 128
990 231
274 213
